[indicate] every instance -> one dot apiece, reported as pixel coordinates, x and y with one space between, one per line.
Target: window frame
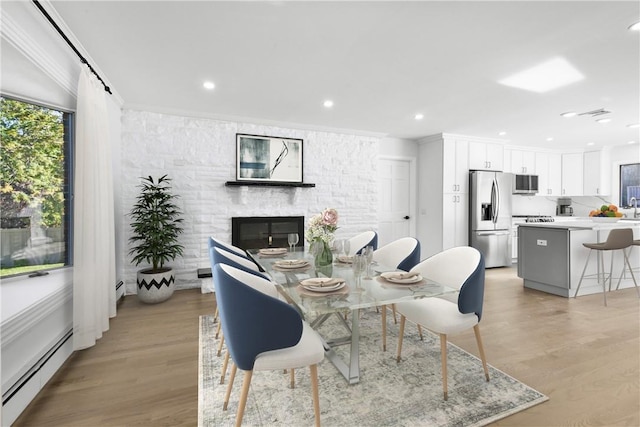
68 123
626 205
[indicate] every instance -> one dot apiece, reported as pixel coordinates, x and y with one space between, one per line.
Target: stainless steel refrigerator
490 216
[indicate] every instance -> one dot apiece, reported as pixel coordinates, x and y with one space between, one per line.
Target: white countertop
582 223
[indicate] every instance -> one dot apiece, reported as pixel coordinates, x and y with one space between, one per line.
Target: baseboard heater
36 367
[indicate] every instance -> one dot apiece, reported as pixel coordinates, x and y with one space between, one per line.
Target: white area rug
389 393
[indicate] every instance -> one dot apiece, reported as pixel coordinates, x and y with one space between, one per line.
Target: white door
396 187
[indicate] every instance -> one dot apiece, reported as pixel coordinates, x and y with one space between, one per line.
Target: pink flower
330 217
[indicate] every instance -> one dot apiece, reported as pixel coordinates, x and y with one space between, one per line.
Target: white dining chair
461 268
359 242
263 333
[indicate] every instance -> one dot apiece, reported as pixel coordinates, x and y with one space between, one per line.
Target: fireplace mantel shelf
267 184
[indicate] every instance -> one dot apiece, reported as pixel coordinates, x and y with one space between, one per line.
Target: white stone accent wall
199 155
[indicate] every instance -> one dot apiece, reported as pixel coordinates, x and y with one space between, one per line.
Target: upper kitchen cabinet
523 162
549 171
572 174
597 172
455 160
486 156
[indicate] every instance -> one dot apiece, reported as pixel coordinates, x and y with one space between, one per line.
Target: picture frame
268 159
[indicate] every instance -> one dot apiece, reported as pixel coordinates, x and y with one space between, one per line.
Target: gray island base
551 256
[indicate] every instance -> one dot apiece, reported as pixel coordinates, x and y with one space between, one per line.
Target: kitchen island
551 255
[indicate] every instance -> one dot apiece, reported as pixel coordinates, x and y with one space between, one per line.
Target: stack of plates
402 278
291 263
272 251
345 259
324 284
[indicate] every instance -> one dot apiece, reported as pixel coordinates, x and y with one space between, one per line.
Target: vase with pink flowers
319 234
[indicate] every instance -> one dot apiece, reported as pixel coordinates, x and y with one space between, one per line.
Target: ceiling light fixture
550 139
635 27
544 77
502 133
631 142
634 125
605 120
419 116
569 114
591 143
208 85
328 103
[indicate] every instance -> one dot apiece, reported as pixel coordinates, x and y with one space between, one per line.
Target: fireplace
257 232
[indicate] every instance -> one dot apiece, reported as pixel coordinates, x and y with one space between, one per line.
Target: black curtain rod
64 36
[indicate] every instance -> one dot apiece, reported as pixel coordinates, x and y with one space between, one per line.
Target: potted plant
156 224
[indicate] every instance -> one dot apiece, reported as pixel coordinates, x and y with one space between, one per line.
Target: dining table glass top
359 292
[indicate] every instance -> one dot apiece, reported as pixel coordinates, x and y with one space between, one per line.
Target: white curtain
94 294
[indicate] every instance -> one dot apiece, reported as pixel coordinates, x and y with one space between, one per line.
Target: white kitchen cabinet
443 177
597 173
486 156
522 162
549 171
514 238
572 174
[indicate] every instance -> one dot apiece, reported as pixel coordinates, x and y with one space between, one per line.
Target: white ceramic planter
155 287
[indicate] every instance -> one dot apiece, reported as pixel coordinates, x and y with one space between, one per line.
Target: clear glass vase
323 255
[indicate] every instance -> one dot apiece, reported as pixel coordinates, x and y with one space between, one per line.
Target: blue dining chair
461 268
213 242
401 254
263 333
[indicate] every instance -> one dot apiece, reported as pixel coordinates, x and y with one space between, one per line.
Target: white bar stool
618 239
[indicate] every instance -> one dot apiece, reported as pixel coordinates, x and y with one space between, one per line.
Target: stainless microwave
525 184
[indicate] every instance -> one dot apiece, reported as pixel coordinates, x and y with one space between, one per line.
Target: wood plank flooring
584 356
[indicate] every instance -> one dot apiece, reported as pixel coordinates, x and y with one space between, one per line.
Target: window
629 184
35 187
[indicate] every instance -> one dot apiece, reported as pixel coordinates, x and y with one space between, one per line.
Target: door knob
406 217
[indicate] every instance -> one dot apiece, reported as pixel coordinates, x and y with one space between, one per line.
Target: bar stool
634 243
618 239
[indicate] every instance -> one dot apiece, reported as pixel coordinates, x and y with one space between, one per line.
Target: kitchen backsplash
543 205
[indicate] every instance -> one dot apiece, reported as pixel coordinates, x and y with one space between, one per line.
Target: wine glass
293 240
346 246
368 254
359 265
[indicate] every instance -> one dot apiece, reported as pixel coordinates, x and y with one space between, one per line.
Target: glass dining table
358 293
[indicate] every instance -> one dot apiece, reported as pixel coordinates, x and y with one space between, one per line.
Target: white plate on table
291 264
392 277
273 251
345 259
314 285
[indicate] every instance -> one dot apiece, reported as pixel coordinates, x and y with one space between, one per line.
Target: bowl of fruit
606 213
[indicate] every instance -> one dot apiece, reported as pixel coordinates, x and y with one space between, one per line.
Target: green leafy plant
156 224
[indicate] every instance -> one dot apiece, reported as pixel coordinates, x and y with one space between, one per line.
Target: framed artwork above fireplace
268 159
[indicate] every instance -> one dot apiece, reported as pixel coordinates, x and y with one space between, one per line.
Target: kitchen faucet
635 207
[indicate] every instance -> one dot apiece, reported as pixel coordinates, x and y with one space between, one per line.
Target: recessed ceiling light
569 114
605 120
419 116
328 103
634 125
591 143
631 142
208 85
635 27
550 139
502 133
544 77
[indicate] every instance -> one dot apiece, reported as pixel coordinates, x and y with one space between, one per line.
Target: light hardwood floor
584 356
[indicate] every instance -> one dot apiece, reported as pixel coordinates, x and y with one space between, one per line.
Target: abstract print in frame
268 159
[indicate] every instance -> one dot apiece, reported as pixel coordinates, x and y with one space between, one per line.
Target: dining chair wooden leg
232 376
215 315
220 345
476 330
384 328
218 330
243 397
293 378
443 357
224 367
314 392
420 332
400 336
395 319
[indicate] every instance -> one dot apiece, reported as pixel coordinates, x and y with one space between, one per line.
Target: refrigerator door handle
496 211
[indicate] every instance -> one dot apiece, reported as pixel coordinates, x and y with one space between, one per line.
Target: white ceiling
380 62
